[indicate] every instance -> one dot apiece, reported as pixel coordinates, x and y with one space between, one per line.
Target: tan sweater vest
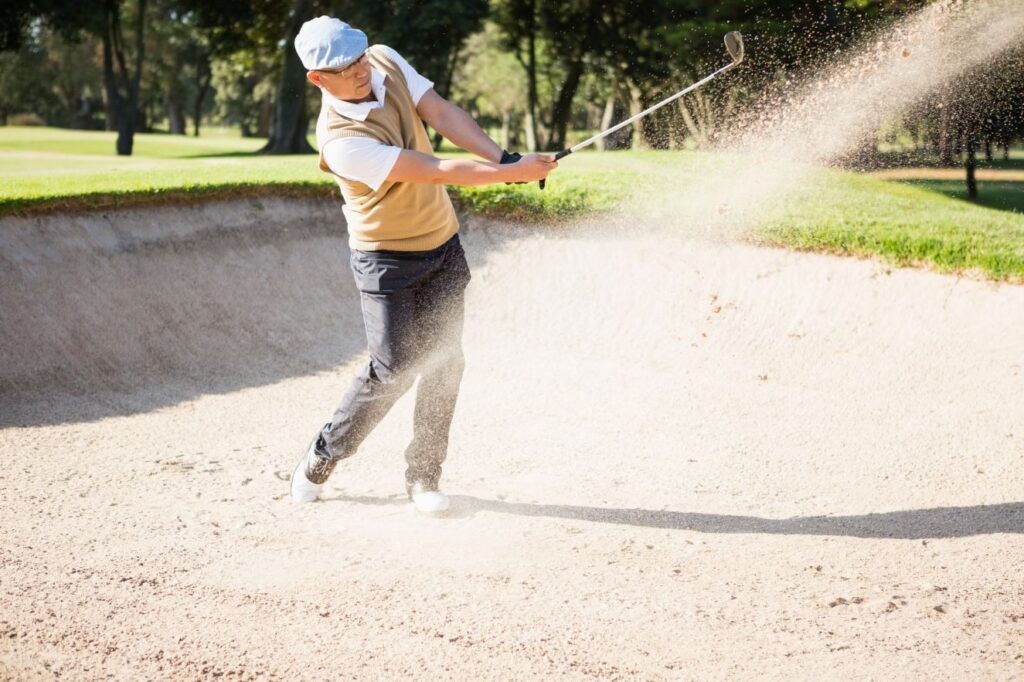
400 216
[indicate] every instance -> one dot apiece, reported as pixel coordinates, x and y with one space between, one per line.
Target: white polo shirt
360 158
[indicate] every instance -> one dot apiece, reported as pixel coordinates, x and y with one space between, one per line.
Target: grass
906 223
46 169
903 222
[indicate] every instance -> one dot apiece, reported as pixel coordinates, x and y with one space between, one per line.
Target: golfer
408 264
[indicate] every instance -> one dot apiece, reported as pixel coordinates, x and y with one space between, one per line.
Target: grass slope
906 223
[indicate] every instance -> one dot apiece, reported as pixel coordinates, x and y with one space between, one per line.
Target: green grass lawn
906 223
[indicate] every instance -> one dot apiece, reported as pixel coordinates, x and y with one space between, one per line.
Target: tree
430 34
578 29
180 74
268 27
244 85
52 78
519 23
19 89
122 81
490 82
105 19
979 111
291 117
568 39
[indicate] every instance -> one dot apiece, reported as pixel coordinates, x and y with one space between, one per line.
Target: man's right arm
413 166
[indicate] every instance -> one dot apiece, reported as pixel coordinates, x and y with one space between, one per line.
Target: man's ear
314 78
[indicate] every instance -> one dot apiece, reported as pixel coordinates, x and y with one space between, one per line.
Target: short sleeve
361 159
418 85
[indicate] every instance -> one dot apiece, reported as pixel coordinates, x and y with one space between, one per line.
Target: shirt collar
360 110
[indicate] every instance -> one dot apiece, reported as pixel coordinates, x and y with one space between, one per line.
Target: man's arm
413 166
457 126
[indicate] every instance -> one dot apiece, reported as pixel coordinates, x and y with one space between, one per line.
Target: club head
734 44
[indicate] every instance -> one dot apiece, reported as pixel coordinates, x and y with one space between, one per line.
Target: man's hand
532 167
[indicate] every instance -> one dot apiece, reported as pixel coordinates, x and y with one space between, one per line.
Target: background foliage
539 75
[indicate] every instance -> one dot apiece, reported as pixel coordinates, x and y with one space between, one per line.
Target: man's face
350 83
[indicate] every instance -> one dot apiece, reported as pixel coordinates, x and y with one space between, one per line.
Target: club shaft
643 113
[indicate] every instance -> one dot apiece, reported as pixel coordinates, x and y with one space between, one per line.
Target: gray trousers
413 305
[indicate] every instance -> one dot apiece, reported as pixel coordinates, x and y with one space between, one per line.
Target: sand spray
803 126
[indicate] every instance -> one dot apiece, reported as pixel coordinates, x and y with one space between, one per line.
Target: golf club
733 44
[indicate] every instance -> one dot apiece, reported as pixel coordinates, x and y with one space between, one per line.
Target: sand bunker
671 459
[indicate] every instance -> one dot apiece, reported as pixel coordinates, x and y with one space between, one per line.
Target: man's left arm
457 126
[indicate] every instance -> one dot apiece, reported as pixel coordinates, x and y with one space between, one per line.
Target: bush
528 203
25 120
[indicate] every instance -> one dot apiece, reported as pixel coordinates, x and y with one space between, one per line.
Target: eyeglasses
350 70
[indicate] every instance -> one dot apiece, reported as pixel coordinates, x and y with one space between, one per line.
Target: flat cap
329 43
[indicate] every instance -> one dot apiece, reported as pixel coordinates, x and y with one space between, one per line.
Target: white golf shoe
427 498
304 490
310 474
431 502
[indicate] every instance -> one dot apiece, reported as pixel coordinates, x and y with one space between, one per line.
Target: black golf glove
511 157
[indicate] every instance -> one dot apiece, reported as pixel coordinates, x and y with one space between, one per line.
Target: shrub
25 120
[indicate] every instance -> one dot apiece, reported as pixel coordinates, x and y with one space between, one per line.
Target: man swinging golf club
408 264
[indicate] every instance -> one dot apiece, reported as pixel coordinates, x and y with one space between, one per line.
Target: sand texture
672 459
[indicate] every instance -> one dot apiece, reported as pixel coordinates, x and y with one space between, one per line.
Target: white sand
671 460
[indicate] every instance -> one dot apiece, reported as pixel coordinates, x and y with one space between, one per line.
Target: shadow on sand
914 524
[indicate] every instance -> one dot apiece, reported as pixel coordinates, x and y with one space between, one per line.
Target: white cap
329 43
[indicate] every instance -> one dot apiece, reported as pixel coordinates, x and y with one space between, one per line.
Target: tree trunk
945 143
291 120
605 143
127 106
197 111
531 96
175 115
515 132
83 117
203 77
988 150
970 163
136 81
506 118
111 100
563 105
446 87
692 125
126 130
266 116
636 105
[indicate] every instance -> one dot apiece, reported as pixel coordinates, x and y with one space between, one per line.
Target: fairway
906 223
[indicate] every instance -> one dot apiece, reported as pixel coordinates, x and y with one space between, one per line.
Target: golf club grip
560 155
